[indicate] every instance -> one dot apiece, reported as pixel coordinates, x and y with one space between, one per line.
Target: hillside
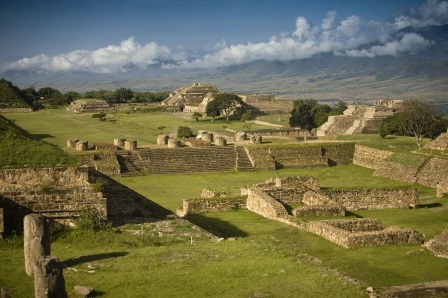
20 149
12 97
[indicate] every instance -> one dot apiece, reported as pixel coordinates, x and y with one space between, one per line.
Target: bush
184 132
91 219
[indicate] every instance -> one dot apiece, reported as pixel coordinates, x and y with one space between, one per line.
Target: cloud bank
307 40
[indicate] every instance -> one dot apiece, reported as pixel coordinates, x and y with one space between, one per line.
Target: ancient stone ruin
270 198
46 269
359 119
82 106
439 143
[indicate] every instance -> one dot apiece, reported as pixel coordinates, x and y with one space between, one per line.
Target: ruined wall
54 192
268 104
364 232
339 154
261 203
260 158
398 171
325 210
16 110
434 171
372 199
287 195
193 206
370 157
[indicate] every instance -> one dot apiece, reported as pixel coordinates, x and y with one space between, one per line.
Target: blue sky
106 36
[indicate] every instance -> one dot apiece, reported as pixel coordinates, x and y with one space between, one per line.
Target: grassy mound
20 149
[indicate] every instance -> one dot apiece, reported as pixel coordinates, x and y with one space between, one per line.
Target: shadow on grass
126 206
215 226
41 136
91 258
431 205
349 213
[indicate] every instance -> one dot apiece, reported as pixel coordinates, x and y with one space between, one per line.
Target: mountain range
417 75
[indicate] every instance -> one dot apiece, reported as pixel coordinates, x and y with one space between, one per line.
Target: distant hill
12 96
20 149
420 75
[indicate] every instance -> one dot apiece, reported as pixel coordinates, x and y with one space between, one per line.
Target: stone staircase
242 161
128 168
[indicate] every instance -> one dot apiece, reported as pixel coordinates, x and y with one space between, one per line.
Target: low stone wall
324 210
261 203
372 199
260 158
307 162
193 206
354 233
16 110
433 172
397 171
338 154
280 132
287 195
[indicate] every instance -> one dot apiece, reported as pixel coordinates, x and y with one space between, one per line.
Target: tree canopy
310 114
418 119
224 104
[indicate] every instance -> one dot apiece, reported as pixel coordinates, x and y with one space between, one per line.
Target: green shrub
91 219
184 132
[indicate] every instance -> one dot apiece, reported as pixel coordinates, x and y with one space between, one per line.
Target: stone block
119 142
82 146
220 141
173 143
162 139
71 143
130 145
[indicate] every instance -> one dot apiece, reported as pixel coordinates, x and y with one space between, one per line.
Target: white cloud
432 12
113 58
305 40
409 43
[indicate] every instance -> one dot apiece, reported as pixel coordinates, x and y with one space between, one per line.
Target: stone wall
372 199
59 193
193 206
16 110
290 132
368 157
267 104
433 171
261 203
354 233
398 171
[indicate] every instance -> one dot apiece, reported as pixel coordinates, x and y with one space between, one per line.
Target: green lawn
263 258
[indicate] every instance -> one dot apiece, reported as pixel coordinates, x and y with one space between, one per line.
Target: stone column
130 145
119 142
256 140
208 137
82 145
48 278
162 139
36 240
240 136
71 143
220 141
173 143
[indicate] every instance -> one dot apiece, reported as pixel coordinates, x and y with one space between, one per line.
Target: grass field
261 258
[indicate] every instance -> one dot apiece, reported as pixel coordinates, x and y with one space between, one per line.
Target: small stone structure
256 139
82 146
130 145
207 136
440 143
173 143
119 142
220 141
162 140
240 136
439 245
71 143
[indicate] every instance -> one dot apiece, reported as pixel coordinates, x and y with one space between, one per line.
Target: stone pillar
162 139
256 140
130 145
71 143
208 137
240 136
173 143
220 141
119 142
48 278
36 240
82 145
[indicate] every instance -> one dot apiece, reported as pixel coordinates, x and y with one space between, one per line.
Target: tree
302 113
48 92
196 116
417 119
247 117
123 95
225 104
